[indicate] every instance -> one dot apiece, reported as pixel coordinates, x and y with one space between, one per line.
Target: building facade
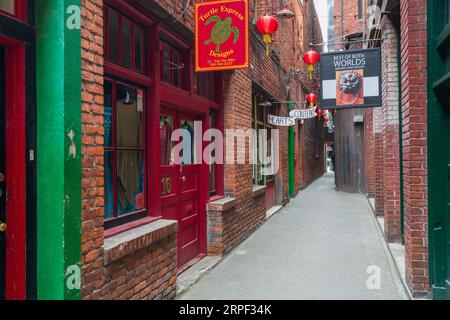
109 82
406 154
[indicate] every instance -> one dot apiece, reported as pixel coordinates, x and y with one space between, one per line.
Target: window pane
166 129
130 181
109 184
268 153
138 48
176 68
261 114
166 64
126 43
188 155
360 9
129 114
108 114
113 36
7 6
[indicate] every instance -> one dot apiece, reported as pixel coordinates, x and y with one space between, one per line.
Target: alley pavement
323 245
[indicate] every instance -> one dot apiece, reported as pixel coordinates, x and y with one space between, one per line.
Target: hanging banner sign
303 113
351 79
221 35
281 121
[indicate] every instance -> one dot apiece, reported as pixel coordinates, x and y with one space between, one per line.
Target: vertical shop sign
351 79
221 35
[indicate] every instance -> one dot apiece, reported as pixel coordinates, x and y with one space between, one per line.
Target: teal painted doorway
439 146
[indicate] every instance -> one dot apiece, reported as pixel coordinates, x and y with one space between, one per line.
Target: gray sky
322 12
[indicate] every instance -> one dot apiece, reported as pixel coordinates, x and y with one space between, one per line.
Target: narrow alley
224 149
323 244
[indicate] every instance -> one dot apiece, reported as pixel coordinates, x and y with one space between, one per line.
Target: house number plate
166 185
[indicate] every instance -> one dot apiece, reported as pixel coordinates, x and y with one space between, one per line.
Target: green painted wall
438 118
58 72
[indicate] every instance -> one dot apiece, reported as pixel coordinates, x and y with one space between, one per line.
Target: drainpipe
291 157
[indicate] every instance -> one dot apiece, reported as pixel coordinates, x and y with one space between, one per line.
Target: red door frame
15 144
177 113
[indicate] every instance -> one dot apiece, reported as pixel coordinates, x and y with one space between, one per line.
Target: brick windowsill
258 190
128 242
221 205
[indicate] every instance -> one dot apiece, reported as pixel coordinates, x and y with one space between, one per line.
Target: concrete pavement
323 245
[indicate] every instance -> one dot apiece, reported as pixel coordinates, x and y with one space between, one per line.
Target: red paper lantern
319 112
267 25
311 58
311 98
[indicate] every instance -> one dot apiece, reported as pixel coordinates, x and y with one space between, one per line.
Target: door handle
3 226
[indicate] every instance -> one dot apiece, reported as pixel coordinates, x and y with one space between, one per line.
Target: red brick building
401 190
405 158
92 92
177 214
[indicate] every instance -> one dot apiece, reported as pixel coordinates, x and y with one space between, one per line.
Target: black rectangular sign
350 79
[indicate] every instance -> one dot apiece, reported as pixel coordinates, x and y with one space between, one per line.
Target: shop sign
221 35
303 113
351 79
281 121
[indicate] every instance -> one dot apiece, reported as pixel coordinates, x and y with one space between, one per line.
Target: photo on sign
350 87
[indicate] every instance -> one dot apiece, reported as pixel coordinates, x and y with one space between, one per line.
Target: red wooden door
12 171
270 194
180 183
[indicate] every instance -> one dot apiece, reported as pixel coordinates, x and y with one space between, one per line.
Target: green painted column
291 157
58 73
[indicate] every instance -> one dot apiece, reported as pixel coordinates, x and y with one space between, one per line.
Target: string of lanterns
267 25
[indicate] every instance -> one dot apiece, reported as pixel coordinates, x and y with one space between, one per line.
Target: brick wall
369 153
312 144
150 272
311 134
390 132
414 106
147 273
92 146
346 21
378 156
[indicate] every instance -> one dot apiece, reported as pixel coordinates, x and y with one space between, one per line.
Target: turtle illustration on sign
221 31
